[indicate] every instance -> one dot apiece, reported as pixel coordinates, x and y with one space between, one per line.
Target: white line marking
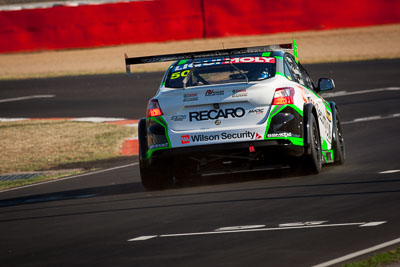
343 93
389 171
242 227
372 118
262 229
142 238
25 98
301 223
372 224
72 177
98 119
358 253
235 230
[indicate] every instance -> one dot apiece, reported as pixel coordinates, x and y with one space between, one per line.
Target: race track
270 219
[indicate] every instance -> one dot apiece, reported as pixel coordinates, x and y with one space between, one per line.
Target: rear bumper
238 154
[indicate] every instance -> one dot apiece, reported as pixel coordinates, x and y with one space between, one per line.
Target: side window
288 72
297 76
309 82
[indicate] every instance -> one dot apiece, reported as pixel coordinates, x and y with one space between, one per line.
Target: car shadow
133 190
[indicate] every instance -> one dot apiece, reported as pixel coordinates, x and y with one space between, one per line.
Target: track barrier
66 27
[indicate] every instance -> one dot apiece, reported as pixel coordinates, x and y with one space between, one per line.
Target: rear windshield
220 70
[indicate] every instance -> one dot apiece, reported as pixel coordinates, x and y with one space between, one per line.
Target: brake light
153 108
283 96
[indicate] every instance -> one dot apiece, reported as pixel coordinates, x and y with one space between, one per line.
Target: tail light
153 108
283 96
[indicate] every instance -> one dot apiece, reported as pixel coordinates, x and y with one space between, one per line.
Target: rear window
220 70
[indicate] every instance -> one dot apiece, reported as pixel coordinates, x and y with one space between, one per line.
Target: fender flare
308 111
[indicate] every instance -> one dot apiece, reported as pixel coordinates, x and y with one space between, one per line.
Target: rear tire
153 174
156 175
339 151
313 161
151 177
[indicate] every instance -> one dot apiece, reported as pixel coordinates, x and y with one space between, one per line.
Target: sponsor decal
214 92
239 92
190 97
223 136
282 135
158 146
321 109
178 117
328 115
215 114
322 113
178 74
256 111
185 139
219 61
252 60
195 138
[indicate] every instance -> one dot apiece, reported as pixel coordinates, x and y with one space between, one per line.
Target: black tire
154 175
313 161
142 136
151 180
339 150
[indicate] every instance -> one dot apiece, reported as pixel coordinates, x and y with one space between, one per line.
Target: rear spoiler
208 53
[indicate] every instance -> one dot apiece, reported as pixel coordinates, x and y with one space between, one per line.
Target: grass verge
4 185
51 146
378 260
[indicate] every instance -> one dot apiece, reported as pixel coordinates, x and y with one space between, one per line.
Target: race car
236 110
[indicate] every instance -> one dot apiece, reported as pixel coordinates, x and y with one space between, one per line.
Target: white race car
235 110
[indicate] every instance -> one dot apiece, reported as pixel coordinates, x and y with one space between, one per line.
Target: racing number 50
178 74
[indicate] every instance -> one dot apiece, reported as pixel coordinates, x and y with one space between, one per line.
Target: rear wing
208 53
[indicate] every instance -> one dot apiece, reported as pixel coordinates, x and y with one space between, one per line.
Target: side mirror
325 84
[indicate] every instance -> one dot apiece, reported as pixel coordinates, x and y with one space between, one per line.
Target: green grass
4 185
46 145
378 260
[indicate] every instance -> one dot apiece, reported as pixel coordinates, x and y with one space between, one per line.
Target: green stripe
324 145
296 108
166 131
278 57
327 105
157 121
266 54
280 73
272 113
275 111
278 109
164 124
325 154
312 91
183 61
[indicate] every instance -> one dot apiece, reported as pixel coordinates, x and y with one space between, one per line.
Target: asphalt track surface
268 219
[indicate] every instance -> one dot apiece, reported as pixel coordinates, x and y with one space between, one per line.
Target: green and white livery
236 110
